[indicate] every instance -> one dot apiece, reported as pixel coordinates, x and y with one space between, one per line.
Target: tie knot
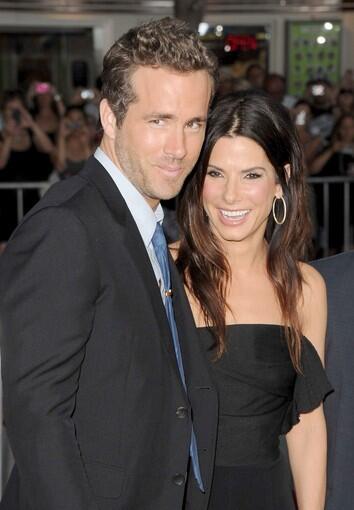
158 239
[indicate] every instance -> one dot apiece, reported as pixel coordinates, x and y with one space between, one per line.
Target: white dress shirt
144 216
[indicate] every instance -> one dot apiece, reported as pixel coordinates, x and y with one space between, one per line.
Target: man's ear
108 119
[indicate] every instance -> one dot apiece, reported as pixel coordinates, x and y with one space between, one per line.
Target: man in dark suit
338 272
107 404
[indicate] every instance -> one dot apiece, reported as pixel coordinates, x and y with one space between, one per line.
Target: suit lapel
197 373
99 177
201 390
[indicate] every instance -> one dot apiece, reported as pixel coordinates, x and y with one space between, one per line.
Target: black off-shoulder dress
261 397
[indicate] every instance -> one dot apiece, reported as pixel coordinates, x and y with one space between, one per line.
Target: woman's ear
287 169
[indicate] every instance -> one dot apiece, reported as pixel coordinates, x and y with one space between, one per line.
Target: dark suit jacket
338 272
91 384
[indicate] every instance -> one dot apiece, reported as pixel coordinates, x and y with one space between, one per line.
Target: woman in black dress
260 310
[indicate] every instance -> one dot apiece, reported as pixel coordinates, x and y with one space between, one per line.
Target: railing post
346 216
19 201
325 219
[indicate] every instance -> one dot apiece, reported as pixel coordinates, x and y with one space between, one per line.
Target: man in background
338 272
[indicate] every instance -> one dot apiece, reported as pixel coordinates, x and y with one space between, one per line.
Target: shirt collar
144 216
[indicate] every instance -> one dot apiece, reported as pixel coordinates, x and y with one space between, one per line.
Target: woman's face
76 117
345 101
239 189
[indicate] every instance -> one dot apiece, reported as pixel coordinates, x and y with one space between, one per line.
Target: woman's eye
253 175
214 173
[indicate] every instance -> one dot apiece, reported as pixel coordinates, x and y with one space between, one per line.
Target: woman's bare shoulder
313 308
313 280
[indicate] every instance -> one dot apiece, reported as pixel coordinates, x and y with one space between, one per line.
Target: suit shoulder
74 197
64 193
337 266
60 213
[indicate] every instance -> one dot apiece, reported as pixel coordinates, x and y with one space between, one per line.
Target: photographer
338 156
337 159
21 133
320 94
75 143
24 156
311 144
47 107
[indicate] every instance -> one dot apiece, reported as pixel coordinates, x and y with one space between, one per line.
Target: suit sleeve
49 283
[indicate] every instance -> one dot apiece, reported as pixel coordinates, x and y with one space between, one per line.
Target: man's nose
175 145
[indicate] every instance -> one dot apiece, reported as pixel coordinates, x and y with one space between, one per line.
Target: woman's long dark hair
201 260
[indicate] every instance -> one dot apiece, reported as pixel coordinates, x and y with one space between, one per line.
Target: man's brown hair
166 42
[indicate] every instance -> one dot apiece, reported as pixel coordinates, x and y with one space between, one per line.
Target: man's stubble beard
143 181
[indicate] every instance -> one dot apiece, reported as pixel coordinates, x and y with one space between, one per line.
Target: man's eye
157 122
194 124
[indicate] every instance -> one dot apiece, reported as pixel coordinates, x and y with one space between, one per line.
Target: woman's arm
307 447
6 142
5 149
41 140
60 153
319 161
307 441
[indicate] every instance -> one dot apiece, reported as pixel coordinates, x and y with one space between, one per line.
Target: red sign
241 42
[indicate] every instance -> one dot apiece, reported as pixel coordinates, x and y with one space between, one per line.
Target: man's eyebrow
159 115
167 116
201 119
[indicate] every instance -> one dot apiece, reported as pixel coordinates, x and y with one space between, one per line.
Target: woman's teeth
234 214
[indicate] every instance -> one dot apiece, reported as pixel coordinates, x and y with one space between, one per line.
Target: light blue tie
160 247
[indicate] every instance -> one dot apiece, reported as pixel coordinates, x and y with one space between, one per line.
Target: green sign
314 49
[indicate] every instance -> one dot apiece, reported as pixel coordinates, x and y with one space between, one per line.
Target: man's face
160 138
276 89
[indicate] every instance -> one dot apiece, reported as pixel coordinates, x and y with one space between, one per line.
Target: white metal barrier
326 183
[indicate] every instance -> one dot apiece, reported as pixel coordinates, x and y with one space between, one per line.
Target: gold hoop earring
284 210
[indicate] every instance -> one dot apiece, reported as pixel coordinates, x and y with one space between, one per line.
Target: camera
318 90
87 94
73 126
42 88
16 115
300 119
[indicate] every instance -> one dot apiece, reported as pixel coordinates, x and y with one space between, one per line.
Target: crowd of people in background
44 138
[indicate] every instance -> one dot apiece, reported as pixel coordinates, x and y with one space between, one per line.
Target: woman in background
47 107
75 144
24 156
260 310
336 160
